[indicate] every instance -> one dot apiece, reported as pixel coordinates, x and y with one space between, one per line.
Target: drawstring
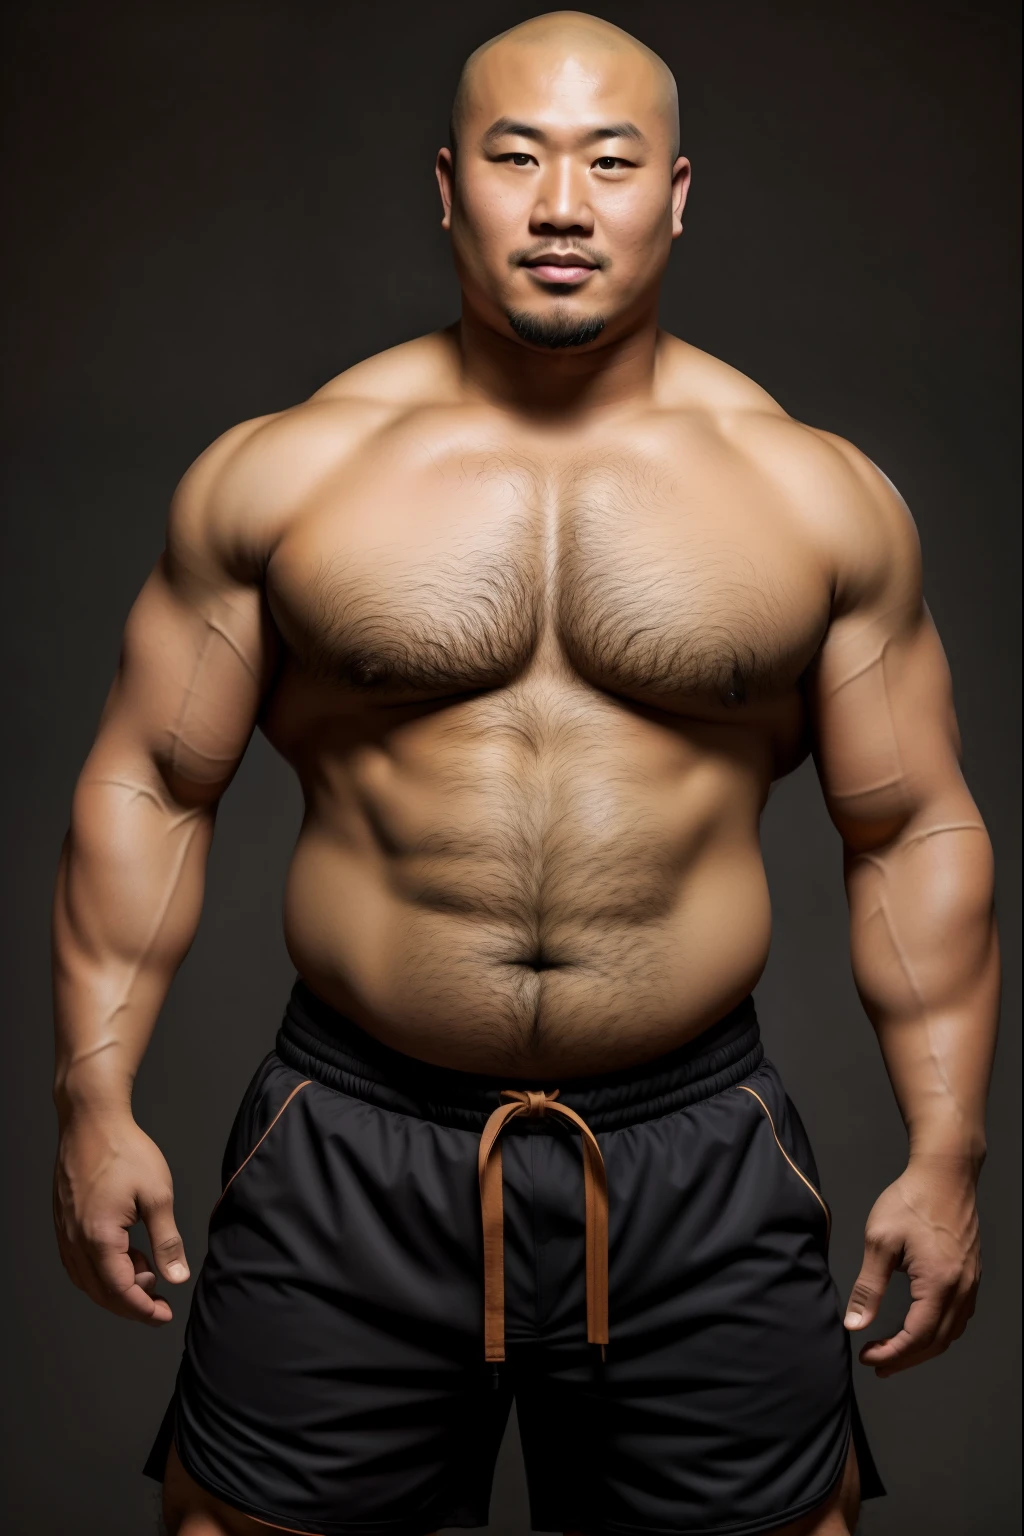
532 1102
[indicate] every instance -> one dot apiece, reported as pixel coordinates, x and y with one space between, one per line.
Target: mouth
564 270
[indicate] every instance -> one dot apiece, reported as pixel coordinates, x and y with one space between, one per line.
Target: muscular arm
919 878
194 664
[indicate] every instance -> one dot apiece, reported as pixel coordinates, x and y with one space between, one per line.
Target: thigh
837 1516
333 1376
723 1404
190 1511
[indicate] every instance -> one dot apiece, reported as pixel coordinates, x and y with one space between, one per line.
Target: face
565 200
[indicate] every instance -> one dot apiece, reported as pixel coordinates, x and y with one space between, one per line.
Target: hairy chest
679 582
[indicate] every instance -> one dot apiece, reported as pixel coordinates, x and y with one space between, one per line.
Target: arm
195 662
919 879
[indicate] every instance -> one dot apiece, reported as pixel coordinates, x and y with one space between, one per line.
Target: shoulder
413 373
848 508
238 497
857 521
862 523
694 381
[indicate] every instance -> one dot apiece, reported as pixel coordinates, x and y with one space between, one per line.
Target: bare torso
537 608
535 684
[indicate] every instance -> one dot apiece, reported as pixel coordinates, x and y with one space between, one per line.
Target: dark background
214 208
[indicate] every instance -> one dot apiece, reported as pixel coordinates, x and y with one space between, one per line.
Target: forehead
562 90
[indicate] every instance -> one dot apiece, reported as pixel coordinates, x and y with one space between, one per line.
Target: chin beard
558 329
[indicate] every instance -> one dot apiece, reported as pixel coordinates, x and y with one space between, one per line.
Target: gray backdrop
218 206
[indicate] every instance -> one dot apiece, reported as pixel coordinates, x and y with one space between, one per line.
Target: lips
550 267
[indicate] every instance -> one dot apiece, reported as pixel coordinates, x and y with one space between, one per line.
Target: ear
444 170
680 187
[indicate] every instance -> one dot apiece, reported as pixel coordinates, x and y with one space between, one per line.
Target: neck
554 383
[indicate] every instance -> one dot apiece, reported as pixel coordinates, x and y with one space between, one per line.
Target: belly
542 886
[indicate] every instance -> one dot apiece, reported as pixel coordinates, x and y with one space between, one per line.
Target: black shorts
334 1378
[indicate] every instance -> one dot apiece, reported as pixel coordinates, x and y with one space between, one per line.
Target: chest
658 577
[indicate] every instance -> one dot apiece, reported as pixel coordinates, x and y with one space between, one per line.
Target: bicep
193 669
885 734
196 660
886 739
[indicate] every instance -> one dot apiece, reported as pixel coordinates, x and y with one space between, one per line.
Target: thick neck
555 384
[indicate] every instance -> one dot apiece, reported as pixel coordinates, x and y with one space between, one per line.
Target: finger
145 1274
958 1327
870 1285
919 1332
967 1304
110 1279
96 1268
132 1302
952 1324
911 1359
168 1248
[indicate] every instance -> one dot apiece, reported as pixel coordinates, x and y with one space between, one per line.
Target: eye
609 162
516 157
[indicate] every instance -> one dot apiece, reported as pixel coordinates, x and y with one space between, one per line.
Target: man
538 608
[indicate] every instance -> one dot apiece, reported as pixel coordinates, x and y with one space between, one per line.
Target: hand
108 1176
926 1225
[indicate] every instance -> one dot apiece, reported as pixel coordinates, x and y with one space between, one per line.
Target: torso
536 687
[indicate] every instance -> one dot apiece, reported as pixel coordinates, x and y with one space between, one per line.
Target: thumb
870 1285
165 1239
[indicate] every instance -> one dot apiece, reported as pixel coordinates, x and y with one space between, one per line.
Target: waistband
324 1044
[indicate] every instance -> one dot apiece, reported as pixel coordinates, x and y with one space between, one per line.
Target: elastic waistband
323 1044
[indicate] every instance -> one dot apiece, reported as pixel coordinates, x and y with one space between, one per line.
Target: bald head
570 188
549 45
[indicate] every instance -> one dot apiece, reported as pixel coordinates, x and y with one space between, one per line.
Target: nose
562 206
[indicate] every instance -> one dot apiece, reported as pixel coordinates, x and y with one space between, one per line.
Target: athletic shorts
402 1249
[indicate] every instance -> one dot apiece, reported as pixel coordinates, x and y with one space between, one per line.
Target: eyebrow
507 125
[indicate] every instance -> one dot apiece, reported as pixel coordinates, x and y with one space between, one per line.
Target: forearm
926 962
127 904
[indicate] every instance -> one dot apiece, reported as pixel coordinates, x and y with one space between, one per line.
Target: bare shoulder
840 500
695 381
859 521
414 373
239 496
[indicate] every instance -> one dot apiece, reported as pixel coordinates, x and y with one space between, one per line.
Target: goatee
558 329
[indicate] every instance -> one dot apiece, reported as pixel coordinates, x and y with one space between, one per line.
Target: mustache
590 254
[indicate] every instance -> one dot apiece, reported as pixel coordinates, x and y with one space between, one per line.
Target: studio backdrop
212 208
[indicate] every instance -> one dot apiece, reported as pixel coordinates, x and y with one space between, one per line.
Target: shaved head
570 187
560 36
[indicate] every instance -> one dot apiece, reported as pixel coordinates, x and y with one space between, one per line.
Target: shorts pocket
255 1121
798 1172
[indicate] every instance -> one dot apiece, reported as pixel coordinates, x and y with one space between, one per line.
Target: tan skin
537 630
